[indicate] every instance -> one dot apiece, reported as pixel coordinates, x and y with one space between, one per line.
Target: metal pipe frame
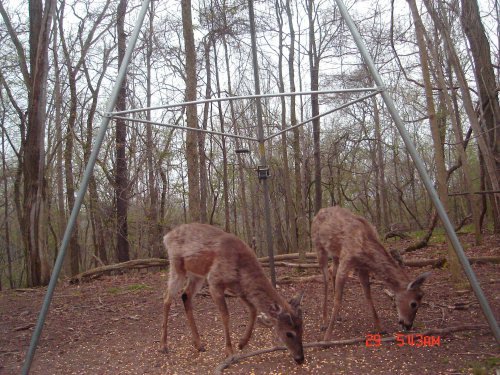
379 89
364 97
229 98
423 173
229 135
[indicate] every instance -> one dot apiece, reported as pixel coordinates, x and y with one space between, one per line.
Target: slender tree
121 175
192 118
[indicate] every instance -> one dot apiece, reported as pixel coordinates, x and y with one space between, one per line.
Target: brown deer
199 252
354 245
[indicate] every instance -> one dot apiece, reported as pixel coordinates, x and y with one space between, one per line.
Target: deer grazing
199 252
353 244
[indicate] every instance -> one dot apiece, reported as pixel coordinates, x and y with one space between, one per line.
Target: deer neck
384 267
260 292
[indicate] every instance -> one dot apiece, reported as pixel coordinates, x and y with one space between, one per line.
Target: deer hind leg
340 280
252 315
192 288
323 265
176 281
364 278
217 293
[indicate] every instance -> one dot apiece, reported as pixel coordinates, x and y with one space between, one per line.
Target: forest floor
112 326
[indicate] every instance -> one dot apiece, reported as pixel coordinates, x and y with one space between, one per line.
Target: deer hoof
163 350
242 344
199 346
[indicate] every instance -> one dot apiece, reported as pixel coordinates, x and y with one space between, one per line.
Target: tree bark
487 85
34 148
155 241
121 173
486 151
192 117
290 221
437 130
314 76
297 154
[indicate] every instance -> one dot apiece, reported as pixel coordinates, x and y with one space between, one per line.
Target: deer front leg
175 283
364 278
340 280
194 285
252 315
217 294
323 265
166 309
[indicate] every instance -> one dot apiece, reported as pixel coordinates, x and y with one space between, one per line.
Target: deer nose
406 327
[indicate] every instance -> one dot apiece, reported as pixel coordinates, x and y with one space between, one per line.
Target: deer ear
417 283
265 320
275 310
297 300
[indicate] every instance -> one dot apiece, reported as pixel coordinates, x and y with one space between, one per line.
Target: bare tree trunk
155 244
6 202
314 76
192 118
290 222
74 247
488 91
437 131
225 187
34 148
201 139
301 234
487 152
121 173
241 171
58 104
459 140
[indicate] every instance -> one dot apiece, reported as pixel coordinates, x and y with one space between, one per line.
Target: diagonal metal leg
81 192
423 174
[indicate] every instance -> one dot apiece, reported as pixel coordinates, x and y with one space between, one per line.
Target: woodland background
440 61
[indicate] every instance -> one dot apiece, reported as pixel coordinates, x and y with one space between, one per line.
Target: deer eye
290 335
413 305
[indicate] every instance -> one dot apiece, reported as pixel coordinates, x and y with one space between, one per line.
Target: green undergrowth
485 366
131 288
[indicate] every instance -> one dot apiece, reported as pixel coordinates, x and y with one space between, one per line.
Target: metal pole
81 193
262 148
184 128
345 105
230 98
423 174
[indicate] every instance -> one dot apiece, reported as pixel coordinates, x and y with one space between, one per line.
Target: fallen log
327 344
131 264
158 262
287 257
434 262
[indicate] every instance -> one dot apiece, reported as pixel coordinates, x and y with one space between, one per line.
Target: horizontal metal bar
323 114
211 100
185 128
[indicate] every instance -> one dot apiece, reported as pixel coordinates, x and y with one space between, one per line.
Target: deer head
408 301
287 326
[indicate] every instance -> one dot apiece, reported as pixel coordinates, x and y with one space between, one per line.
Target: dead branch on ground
97 272
327 344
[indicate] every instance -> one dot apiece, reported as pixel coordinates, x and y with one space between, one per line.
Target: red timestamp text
416 340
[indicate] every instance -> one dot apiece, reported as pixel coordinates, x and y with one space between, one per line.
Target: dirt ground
112 326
